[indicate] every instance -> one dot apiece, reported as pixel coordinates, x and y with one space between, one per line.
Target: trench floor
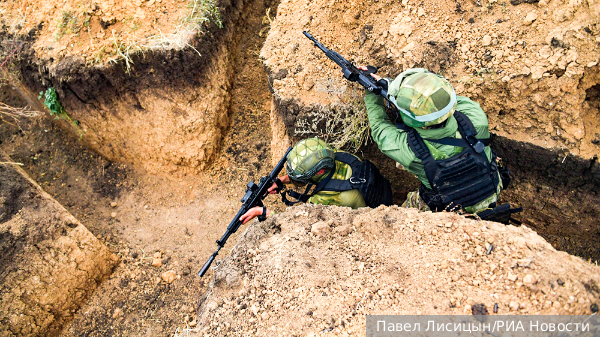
146 219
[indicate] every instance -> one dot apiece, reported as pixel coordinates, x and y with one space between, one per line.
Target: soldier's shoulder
472 109
466 102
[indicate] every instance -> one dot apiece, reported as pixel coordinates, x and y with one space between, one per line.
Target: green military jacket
393 142
351 198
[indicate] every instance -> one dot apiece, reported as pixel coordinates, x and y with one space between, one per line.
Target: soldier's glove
383 83
279 184
263 216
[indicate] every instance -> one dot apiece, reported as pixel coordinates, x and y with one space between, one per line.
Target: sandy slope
313 268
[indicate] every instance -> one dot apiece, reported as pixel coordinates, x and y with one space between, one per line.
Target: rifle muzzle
207 265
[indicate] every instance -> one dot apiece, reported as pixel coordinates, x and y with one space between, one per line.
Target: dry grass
15 114
199 13
124 51
268 21
7 110
344 124
13 21
193 22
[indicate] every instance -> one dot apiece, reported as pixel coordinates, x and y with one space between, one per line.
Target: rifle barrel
208 263
255 199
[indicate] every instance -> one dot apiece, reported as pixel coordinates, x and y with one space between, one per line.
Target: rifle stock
253 197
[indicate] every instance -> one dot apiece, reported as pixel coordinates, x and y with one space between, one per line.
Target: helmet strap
305 196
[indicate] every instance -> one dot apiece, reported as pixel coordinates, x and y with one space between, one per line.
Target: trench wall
559 191
167 115
532 66
50 263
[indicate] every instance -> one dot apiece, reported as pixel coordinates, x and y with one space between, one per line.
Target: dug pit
210 117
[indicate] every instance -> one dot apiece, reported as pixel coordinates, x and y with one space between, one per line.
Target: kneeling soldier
331 177
444 140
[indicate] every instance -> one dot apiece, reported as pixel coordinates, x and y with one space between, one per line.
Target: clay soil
146 219
95 30
532 66
163 227
317 270
50 262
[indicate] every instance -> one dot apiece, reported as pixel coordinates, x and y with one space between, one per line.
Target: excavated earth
165 127
158 100
50 263
316 269
532 66
163 226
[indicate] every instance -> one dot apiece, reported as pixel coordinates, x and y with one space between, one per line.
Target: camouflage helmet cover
423 98
307 158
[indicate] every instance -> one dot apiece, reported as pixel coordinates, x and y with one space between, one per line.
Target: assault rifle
254 197
353 74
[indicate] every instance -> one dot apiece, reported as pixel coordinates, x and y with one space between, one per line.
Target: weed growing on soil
68 24
201 11
56 109
86 21
51 102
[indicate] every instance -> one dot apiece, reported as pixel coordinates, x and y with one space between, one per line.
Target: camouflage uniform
393 142
350 198
307 158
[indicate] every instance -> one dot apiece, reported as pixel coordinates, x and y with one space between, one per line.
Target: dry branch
15 113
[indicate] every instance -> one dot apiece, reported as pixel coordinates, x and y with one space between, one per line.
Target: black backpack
374 187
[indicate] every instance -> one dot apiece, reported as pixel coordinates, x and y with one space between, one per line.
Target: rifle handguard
253 197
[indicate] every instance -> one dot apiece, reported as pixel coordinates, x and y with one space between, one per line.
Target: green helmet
307 158
423 98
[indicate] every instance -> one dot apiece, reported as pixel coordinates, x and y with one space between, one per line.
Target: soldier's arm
390 140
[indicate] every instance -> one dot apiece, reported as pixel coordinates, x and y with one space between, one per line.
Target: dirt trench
544 119
140 216
559 191
175 220
163 110
50 262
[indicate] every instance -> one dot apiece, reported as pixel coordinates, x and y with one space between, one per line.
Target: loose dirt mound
314 268
50 262
533 66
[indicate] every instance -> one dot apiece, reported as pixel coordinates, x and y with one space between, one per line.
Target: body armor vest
462 180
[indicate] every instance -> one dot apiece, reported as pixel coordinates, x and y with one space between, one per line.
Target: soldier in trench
443 139
329 177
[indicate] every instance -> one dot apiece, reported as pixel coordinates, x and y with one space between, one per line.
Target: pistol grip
370 70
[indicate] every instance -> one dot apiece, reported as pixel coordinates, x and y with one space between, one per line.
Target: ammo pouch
459 181
501 214
374 187
505 176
